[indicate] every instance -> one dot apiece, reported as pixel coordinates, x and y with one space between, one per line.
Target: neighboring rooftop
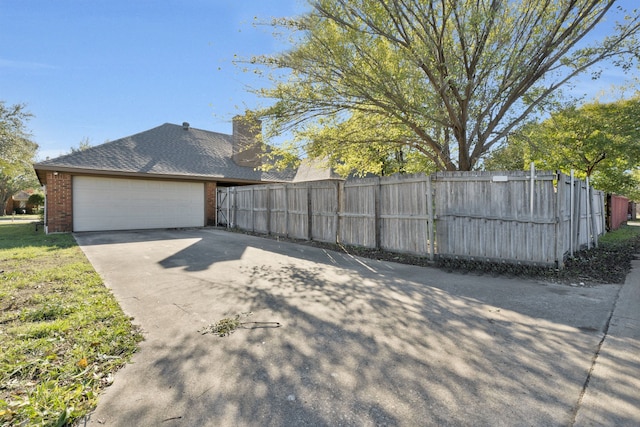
315 170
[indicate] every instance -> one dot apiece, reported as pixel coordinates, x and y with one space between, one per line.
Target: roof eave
40 168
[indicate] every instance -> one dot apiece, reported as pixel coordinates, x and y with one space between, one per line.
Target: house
165 177
19 203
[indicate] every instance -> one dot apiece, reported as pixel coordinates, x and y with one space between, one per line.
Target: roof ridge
197 129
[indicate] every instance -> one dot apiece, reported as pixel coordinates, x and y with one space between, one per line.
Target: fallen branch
228 325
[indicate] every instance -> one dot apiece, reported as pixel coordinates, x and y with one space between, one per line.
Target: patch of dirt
605 264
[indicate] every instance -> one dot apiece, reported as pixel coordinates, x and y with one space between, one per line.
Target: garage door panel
127 204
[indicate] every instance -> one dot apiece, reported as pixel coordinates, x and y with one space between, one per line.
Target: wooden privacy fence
386 213
518 217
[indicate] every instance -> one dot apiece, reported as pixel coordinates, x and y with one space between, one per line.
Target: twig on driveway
228 325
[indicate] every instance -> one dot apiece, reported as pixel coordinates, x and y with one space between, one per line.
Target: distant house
19 203
165 177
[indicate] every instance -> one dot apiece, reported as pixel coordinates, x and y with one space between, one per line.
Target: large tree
597 140
447 79
17 153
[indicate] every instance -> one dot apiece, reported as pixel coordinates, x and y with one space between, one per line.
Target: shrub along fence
518 217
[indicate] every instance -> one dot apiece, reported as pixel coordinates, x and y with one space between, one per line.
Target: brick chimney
247 144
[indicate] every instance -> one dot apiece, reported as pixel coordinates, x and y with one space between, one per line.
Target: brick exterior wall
210 201
59 203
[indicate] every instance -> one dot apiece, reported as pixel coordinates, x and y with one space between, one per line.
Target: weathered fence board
403 214
278 209
358 224
324 212
298 211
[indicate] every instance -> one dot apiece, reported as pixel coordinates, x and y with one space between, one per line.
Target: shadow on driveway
363 342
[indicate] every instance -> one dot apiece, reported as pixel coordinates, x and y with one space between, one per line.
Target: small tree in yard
37 200
444 80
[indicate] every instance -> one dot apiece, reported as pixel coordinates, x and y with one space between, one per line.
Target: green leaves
600 141
17 153
447 79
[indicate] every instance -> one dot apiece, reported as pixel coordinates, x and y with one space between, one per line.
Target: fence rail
519 217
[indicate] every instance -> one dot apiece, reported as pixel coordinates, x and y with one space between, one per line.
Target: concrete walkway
612 396
362 342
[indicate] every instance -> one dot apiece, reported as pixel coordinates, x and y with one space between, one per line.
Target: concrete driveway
362 342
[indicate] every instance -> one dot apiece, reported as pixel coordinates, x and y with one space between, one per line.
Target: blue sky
108 69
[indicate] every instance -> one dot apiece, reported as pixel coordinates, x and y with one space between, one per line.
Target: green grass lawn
13 218
626 234
62 334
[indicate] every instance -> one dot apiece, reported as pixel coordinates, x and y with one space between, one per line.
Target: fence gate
223 207
535 217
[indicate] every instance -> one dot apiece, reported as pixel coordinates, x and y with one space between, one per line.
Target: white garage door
129 204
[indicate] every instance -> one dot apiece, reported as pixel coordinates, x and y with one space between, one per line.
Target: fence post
594 226
377 220
430 215
603 215
309 213
286 210
588 209
254 206
572 209
337 214
531 225
267 191
532 178
232 210
228 203
560 201
578 215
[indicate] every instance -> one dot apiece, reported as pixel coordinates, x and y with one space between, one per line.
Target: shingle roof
21 196
315 170
167 150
